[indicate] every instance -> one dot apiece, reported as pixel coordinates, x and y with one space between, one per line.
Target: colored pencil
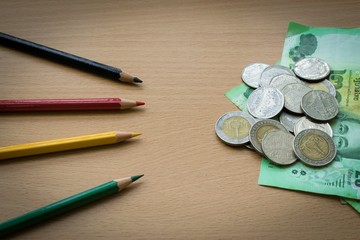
66 58
65 205
64 144
30 105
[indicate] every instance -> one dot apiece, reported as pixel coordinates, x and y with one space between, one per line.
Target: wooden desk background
189 53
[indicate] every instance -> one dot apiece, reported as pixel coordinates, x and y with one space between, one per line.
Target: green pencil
65 205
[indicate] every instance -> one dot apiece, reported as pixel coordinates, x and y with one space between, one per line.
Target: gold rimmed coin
233 127
260 129
314 147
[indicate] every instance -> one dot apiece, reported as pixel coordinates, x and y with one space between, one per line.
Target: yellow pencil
64 144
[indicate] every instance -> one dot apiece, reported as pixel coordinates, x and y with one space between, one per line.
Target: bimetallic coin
324 85
314 147
233 127
277 147
311 69
282 80
260 129
306 123
293 93
320 105
271 71
251 74
289 120
265 102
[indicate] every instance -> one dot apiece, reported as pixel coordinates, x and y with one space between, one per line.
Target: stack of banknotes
340 49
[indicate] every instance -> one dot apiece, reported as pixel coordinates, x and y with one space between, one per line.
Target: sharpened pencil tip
136 177
137 80
138 103
134 134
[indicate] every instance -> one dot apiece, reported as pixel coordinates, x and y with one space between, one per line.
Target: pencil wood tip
139 103
134 134
136 177
137 80
125 77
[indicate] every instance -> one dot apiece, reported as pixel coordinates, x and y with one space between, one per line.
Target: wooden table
189 53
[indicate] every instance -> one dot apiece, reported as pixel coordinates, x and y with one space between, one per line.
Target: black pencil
66 58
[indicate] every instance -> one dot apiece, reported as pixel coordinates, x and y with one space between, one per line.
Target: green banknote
341 49
239 96
338 46
341 178
354 203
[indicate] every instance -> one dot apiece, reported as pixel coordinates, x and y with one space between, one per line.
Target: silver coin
324 85
259 130
306 123
233 127
265 102
311 69
271 71
251 74
320 105
314 147
282 80
293 93
289 120
277 147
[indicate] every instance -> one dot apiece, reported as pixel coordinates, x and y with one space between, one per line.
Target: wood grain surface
189 53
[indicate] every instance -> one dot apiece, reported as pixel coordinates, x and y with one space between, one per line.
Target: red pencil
29 105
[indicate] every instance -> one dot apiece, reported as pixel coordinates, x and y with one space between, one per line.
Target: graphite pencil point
137 80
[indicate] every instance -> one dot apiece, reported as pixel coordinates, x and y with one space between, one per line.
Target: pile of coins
303 101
